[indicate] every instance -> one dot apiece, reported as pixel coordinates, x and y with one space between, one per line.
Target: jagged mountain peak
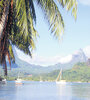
80 56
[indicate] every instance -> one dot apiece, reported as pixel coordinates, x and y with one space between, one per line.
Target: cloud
46 61
43 61
87 51
85 2
38 60
66 59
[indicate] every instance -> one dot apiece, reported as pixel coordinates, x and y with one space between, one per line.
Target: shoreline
52 81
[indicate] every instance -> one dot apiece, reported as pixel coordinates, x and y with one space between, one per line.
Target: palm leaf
70 5
32 10
24 33
53 15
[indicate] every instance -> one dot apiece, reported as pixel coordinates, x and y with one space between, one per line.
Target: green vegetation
79 73
17 24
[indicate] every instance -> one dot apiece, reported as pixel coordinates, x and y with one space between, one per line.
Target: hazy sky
76 36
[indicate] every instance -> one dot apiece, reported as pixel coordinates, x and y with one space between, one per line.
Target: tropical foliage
17 21
79 73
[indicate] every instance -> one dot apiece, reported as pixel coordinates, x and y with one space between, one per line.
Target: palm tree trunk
4 18
5 69
5 25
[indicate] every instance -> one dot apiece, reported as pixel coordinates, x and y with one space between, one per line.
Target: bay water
44 91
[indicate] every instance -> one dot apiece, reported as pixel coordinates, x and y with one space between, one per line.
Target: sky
77 35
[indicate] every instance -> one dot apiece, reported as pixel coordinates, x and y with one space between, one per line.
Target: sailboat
41 79
59 78
18 81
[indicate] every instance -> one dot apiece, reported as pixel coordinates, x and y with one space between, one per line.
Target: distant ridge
24 66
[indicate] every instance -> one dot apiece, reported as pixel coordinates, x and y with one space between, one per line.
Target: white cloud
87 51
85 2
38 60
46 61
66 59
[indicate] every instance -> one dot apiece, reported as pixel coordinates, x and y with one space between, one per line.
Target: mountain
78 56
88 62
68 62
80 72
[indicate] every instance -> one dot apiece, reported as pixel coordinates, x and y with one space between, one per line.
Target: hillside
26 67
79 72
72 72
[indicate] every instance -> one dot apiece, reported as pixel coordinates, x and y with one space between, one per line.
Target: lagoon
44 91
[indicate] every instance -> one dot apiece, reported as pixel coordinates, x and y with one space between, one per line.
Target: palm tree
17 21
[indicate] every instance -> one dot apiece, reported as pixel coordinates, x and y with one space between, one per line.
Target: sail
59 76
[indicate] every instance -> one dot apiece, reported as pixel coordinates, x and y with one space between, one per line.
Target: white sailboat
18 81
59 78
41 79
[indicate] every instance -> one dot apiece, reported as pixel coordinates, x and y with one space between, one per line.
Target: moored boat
18 81
3 81
59 78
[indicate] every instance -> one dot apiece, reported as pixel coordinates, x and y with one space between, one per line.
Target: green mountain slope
80 72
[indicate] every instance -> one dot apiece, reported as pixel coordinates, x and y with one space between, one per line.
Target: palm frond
24 33
4 16
2 2
53 15
10 50
70 5
32 10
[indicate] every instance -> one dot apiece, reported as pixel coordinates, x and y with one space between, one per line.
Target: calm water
45 91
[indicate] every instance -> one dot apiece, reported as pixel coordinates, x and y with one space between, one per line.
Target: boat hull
18 82
3 81
61 82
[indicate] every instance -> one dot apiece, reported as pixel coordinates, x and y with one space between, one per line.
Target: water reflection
36 91
74 91
81 90
44 91
7 91
64 91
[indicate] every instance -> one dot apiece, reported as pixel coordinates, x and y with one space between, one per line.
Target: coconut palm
17 21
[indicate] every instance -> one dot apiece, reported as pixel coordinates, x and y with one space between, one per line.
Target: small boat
3 81
59 78
61 82
41 80
18 81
